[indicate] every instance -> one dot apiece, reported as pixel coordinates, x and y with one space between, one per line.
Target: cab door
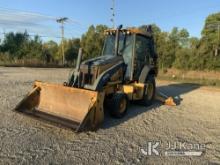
142 53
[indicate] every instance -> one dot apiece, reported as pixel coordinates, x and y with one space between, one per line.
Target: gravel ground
24 140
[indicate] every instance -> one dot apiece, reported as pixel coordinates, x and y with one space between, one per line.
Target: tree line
175 49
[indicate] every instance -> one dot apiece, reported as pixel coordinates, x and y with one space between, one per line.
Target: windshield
125 49
124 43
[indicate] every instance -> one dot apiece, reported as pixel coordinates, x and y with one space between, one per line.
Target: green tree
182 59
183 38
209 43
72 48
34 48
210 30
50 51
92 41
14 44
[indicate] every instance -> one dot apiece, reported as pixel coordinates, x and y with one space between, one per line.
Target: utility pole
113 13
62 21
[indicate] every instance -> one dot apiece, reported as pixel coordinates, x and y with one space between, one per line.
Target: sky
39 16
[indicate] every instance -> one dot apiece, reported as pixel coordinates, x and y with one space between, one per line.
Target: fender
104 77
147 69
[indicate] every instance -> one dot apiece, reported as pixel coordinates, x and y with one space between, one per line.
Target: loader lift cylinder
74 79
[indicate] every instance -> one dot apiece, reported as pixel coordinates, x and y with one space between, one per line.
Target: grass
204 82
195 77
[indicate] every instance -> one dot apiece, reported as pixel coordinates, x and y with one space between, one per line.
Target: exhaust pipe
117 39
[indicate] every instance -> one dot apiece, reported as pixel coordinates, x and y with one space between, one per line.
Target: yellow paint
134 91
129 90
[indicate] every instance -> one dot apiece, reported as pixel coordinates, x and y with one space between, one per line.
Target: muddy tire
118 105
149 92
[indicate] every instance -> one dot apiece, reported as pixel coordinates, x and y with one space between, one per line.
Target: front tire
118 106
150 91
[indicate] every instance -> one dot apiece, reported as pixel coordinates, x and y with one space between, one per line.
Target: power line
22 26
20 18
33 35
30 27
5 22
27 13
33 27
15 20
35 14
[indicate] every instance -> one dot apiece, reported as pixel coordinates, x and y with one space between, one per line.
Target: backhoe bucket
79 109
166 100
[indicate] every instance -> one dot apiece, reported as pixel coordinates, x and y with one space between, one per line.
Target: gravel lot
24 140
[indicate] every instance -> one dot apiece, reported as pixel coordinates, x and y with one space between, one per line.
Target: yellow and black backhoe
124 72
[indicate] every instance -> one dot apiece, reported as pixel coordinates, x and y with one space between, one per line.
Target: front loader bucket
79 109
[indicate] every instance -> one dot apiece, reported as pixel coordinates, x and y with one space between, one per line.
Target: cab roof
129 31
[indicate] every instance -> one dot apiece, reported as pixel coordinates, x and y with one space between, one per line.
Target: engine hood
102 60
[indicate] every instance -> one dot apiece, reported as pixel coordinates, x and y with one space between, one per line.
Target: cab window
142 54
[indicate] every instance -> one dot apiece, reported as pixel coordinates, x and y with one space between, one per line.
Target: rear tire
118 105
150 91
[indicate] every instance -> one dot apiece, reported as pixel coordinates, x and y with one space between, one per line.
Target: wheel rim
122 106
150 91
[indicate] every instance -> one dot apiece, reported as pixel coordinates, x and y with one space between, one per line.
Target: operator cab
137 49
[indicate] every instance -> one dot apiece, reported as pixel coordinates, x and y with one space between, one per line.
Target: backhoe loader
124 72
